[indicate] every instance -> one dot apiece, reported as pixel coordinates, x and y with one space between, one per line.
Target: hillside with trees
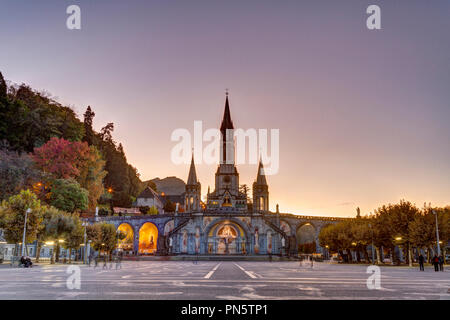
45 147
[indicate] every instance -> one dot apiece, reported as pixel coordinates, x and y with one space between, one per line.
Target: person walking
105 262
435 262
119 261
421 261
441 263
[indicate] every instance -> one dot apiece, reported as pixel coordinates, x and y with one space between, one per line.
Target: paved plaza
222 280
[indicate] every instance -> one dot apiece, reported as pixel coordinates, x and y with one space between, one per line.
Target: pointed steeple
192 178
261 177
226 121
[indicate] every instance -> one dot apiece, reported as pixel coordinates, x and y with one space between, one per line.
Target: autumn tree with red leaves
64 159
61 158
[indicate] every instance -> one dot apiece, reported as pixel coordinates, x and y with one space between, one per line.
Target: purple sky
363 115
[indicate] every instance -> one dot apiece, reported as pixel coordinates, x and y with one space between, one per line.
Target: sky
363 114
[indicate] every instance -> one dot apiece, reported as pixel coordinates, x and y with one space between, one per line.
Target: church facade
225 224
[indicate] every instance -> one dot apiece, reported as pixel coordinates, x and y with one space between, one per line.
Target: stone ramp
209 258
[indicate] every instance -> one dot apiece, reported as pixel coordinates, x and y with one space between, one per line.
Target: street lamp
84 244
25 230
110 191
437 233
373 253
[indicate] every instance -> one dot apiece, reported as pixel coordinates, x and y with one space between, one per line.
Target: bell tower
260 191
193 190
226 195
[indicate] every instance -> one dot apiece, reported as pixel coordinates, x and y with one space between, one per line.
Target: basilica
226 224
227 196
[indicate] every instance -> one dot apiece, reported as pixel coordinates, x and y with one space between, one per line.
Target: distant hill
170 185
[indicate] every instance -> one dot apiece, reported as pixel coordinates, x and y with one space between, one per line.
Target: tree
91 176
17 172
422 230
153 210
76 237
3 87
58 227
93 233
68 195
28 119
13 217
89 136
42 234
121 177
104 237
396 218
106 133
338 237
169 206
361 236
61 158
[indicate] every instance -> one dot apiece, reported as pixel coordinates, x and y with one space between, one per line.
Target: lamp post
437 233
25 230
373 254
110 191
85 246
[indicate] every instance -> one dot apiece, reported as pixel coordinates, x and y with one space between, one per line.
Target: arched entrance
126 244
226 237
306 238
148 237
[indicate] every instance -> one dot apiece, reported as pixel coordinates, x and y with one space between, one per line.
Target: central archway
148 237
226 237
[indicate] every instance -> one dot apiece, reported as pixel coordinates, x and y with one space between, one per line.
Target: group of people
25 262
437 262
117 258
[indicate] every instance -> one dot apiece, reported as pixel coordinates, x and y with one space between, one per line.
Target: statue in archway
256 247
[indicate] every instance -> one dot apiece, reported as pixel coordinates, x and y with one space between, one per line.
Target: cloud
344 204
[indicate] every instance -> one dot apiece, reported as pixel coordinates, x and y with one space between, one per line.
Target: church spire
226 121
261 177
192 178
260 191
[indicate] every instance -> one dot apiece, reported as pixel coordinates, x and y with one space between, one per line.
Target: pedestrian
435 262
119 261
170 245
421 260
441 263
105 264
